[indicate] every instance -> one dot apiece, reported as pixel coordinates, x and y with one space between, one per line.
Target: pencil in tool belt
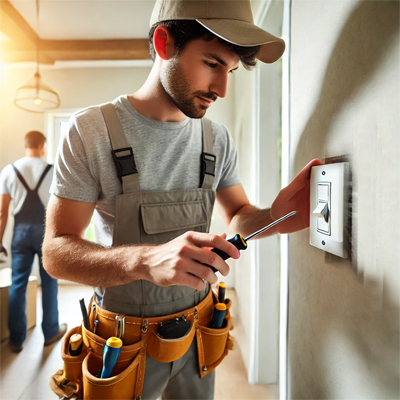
84 314
219 314
221 292
75 344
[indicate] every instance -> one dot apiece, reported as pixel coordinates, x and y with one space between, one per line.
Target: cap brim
246 34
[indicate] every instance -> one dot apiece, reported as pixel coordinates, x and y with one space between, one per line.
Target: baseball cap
231 20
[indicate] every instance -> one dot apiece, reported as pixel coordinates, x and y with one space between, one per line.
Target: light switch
328 186
323 207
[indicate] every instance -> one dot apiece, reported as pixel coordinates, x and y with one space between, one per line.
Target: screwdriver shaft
269 226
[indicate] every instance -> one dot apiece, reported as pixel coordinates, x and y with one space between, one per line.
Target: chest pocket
157 217
172 217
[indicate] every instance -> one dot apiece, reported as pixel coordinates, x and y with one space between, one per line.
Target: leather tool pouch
126 374
68 381
168 350
174 328
79 376
213 344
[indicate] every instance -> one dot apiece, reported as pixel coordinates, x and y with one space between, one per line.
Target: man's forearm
72 258
250 219
184 261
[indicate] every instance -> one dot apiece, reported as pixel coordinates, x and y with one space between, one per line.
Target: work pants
178 380
27 241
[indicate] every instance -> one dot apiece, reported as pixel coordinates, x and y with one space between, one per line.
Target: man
27 183
152 195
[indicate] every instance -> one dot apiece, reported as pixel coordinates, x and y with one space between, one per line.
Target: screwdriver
111 352
241 243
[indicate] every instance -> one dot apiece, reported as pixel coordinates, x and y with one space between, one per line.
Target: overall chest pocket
163 222
155 217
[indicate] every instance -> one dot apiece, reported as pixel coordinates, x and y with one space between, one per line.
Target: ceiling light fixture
35 96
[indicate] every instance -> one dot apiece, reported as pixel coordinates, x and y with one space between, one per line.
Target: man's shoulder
94 110
6 171
217 125
29 162
90 118
88 113
220 131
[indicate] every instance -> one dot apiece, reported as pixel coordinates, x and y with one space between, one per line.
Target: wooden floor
26 375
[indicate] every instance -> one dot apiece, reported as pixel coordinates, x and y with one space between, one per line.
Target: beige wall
344 318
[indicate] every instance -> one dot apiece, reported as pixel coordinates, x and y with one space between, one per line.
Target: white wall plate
328 199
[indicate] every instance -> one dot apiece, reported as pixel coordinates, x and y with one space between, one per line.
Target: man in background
26 182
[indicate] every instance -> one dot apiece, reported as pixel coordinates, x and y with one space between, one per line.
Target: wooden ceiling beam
14 26
76 50
24 57
112 49
12 52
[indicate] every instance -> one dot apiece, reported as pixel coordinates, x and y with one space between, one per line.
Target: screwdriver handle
111 352
238 241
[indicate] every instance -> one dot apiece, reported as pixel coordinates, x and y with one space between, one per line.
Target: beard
177 87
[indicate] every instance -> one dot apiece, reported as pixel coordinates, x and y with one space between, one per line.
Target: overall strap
21 178
122 153
207 161
46 170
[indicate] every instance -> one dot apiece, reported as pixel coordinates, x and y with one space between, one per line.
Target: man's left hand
295 197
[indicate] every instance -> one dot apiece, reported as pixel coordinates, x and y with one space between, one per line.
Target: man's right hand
181 261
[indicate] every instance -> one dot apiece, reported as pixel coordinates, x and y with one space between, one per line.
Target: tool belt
78 377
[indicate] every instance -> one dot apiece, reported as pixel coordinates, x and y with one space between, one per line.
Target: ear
163 43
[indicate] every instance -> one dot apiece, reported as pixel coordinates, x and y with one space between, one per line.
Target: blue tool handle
219 315
110 357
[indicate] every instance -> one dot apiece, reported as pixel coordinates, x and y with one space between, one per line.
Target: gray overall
156 217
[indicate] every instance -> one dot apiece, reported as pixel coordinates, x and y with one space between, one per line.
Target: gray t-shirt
167 157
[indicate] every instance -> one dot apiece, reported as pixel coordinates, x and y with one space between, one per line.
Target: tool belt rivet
204 368
196 314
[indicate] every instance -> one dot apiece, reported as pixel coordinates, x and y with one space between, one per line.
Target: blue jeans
27 241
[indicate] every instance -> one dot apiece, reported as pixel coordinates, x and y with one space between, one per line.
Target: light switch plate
328 207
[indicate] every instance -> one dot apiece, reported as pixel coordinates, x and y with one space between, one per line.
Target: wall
344 316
